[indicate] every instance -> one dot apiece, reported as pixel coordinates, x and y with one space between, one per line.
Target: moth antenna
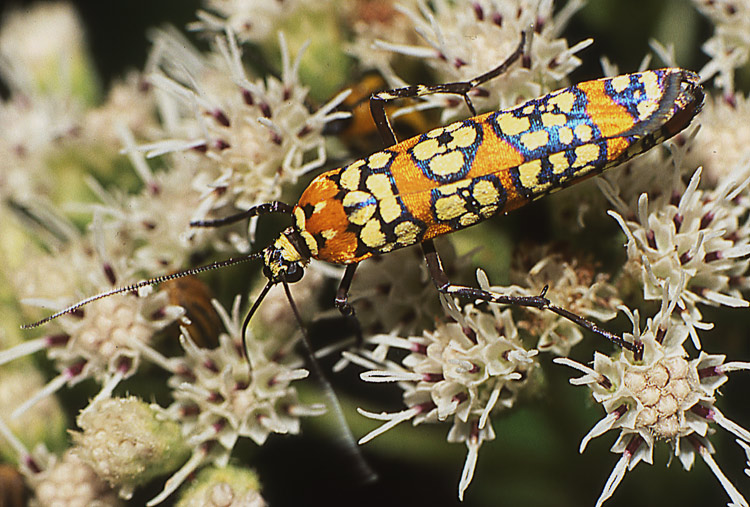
350 446
250 314
144 283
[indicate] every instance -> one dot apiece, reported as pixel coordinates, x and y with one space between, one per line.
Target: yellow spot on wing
407 232
390 210
651 85
360 214
620 83
565 134
319 207
372 235
488 211
528 173
379 185
559 162
447 163
564 101
351 176
512 126
553 120
463 138
378 160
425 150
452 188
534 140
299 218
646 108
468 219
312 245
450 207
355 198
436 132
485 193
583 132
586 154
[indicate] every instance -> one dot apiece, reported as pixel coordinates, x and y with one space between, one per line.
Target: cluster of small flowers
247 139
659 394
692 243
462 40
42 108
461 372
729 48
722 145
226 393
576 286
395 292
251 20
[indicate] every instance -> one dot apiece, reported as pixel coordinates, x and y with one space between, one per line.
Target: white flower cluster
659 395
573 286
693 243
461 372
221 395
395 292
462 40
105 342
251 20
231 141
722 145
729 47
247 138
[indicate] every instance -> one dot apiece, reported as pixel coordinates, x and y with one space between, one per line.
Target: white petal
23 349
599 429
178 478
725 299
729 425
734 366
490 404
380 376
576 365
467 474
48 390
614 479
734 495
393 419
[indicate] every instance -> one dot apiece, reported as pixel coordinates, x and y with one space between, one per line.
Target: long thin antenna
152 281
349 443
249 315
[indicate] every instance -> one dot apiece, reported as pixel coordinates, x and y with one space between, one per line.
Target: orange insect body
455 176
